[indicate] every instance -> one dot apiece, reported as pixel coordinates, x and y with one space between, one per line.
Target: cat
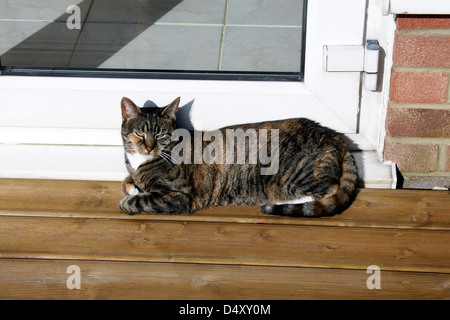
313 162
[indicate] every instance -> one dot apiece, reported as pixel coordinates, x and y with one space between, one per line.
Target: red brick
425 182
417 87
412 157
423 21
422 51
409 122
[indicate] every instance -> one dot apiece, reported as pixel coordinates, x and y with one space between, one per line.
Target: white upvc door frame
69 128
416 7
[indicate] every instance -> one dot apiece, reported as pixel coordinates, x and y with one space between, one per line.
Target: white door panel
334 23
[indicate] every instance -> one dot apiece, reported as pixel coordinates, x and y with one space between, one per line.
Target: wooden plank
417 209
223 253
224 243
46 279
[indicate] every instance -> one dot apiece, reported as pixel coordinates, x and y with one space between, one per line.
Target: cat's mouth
145 152
148 151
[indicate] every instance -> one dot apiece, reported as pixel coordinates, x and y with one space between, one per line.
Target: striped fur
314 161
335 201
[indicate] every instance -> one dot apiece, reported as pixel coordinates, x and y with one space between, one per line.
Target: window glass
241 36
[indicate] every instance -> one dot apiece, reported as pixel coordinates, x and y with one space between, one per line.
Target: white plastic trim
416 7
107 163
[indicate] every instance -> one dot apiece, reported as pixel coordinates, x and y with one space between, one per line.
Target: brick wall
418 115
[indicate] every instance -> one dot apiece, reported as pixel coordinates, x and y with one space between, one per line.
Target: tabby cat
314 162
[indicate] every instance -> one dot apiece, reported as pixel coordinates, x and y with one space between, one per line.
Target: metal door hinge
354 58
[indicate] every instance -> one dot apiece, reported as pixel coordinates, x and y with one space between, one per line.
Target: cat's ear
129 109
171 109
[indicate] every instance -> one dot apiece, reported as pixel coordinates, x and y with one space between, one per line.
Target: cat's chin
136 159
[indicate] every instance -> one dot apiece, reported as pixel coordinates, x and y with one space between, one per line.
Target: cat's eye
139 134
160 136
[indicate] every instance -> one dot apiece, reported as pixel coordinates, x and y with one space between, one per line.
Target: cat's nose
149 149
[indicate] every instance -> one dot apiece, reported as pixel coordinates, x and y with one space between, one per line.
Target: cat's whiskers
164 157
167 157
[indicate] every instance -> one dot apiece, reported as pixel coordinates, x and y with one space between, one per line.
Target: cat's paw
126 205
131 189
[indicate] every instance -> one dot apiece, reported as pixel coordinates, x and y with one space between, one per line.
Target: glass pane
185 35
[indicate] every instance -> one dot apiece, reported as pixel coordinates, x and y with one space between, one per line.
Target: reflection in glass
189 35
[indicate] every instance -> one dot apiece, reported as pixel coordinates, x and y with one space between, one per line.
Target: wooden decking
220 253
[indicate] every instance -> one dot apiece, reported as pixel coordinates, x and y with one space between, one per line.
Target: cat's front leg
153 203
129 187
126 205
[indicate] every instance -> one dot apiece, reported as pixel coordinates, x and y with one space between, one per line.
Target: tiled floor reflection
209 35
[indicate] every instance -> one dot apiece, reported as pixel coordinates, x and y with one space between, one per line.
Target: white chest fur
136 159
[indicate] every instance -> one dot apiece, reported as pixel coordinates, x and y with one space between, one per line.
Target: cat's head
146 132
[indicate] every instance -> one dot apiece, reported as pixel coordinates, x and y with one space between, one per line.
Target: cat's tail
334 203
